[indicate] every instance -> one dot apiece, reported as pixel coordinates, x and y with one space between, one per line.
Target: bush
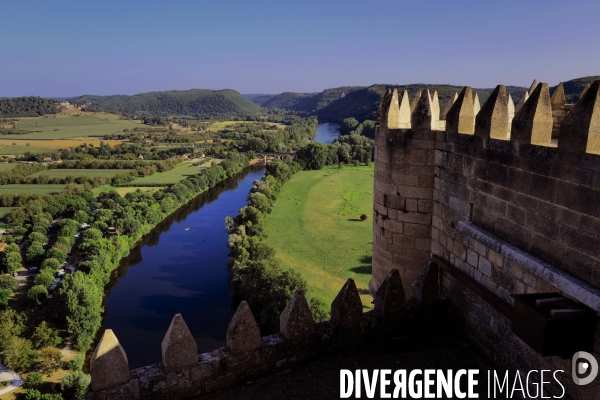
4 295
363 217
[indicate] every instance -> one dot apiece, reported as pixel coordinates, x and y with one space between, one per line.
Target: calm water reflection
327 132
180 267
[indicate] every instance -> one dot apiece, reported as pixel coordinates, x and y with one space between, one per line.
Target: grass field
92 173
5 210
41 146
68 125
7 166
31 189
316 230
181 171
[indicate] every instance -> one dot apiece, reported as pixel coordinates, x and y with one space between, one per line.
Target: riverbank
316 230
178 267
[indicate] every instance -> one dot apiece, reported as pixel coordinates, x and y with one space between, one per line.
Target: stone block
242 333
390 297
346 309
296 320
108 366
178 346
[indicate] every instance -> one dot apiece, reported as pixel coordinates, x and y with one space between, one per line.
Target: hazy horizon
68 49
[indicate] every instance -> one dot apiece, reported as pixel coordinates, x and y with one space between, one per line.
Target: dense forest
27 107
198 103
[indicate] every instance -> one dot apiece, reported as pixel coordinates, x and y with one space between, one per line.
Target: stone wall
184 374
513 209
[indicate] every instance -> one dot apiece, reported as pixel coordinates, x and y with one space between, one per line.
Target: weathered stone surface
534 84
461 116
585 89
511 110
109 366
492 119
580 131
178 346
435 107
383 108
533 122
558 97
476 104
421 116
413 104
296 320
390 298
425 288
243 333
449 105
346 309
522 101
398 114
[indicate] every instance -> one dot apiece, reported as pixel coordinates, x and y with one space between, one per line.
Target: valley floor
316 229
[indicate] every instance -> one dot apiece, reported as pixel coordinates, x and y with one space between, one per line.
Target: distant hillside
574 87
309 102
259 99
27 107
199 103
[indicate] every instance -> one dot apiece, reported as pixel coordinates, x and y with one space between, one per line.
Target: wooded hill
362 102
197 103
27 107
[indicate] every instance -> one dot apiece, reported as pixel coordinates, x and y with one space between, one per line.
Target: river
327 132
179 267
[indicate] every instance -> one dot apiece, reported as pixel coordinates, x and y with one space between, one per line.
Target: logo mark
580 367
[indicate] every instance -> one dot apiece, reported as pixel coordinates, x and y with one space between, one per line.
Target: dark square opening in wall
553 325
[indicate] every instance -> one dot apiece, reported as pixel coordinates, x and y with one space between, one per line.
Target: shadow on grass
354 219
363 269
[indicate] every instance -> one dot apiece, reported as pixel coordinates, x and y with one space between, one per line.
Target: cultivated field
69 125
315 229
18 146
5 210
6 166
91 173
31 189
122 190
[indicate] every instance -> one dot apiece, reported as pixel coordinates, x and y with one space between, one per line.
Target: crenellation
532 124
492 119
461 116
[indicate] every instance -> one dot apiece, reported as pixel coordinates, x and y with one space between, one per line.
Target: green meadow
316 229
31 189
181 171
91 173
72 126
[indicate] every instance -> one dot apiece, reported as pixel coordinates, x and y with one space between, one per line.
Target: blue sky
67 48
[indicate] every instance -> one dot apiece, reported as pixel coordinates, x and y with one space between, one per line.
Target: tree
50 264
74 385
8 282
33 380
45 278
12 324
83 301
18 354
92 234
314 155
51 359
4 295
37 237
56 253
45 336
37 294
34 252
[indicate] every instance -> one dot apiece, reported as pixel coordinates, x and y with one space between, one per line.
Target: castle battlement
509 201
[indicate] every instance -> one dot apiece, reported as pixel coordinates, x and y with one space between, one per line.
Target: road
8 375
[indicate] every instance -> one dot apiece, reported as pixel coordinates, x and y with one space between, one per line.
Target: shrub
33 380
8 282
363 217
74 385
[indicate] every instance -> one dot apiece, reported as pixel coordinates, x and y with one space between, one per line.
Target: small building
48 160
141 157
111 231
2 246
